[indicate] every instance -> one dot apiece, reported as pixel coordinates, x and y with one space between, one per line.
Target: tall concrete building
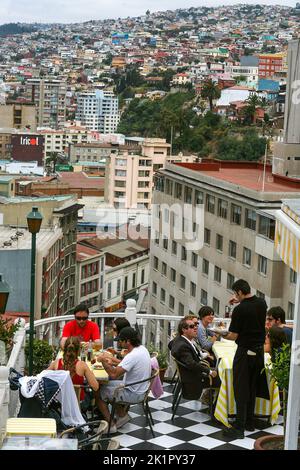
238 237
49 97
129 175
98 111
286 160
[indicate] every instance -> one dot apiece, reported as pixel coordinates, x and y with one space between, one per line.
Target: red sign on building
27 148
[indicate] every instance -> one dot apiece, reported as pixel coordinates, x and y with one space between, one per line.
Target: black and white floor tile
191 429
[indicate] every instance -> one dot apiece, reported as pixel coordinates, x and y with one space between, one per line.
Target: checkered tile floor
191 429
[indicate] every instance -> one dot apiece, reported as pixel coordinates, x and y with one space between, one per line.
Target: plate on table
219 330
97 367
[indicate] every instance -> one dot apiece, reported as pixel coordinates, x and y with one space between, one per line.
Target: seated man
276 316
135 366
206 337
195 374
82 327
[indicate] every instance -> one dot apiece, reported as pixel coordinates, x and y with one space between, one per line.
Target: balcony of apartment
192 428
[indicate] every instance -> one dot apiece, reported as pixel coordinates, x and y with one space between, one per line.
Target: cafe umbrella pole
34 220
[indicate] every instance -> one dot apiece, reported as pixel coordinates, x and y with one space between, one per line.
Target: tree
253 102
210 91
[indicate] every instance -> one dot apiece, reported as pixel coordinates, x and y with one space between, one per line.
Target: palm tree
210 91
253 102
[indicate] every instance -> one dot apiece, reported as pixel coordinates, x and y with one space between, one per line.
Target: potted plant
43 354
279 370
7 332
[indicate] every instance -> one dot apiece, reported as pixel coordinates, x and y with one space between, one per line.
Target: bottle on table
90 351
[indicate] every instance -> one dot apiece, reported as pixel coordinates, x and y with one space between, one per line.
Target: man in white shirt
135 367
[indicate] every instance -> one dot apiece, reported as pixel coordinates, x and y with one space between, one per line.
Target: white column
130 312
293 406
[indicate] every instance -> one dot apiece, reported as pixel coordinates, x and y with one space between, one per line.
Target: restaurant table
38 443
31 426
224 351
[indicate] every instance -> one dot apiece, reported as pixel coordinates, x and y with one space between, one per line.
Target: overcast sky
70 11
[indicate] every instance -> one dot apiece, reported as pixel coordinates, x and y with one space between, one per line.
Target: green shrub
43 354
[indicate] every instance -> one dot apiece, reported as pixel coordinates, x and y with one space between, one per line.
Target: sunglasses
192 325
81 318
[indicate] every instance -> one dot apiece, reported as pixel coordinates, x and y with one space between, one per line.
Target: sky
71 11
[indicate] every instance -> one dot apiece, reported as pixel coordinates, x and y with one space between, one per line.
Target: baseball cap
127 333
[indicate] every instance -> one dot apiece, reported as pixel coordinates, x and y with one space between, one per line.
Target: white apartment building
238 234
98 111
49 97
250 72
129 176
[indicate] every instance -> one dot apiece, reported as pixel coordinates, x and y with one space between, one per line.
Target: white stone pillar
4 398
130 312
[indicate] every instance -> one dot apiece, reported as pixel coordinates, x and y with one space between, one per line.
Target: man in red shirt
82 327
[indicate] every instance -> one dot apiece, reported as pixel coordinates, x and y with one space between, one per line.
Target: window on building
169 187
236 214
216 306
207 236
291 310
154 288
109 290
293 276
198 197
183 253
205 266
210 203
181 309
125 283
165 243
219 242
262 264
193 289
118 286
188 192
217 274
250 219
232 249
194 260
260 294
156 240
143 276
155 262
178 190
203 297
246 256
133 279
222 208
162 295
182 281
174 247
171 302
266 227
173 275
164 269
230 281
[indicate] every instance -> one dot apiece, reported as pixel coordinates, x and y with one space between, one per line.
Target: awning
287 237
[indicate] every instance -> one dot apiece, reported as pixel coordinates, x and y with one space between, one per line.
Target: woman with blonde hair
79 370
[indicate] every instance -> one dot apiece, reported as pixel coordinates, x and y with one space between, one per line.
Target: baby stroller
44 404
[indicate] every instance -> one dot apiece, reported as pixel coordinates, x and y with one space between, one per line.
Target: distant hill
16 28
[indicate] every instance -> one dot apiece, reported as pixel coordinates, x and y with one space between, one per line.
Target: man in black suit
195 374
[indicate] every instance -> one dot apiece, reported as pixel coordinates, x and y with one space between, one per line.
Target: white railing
9 399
